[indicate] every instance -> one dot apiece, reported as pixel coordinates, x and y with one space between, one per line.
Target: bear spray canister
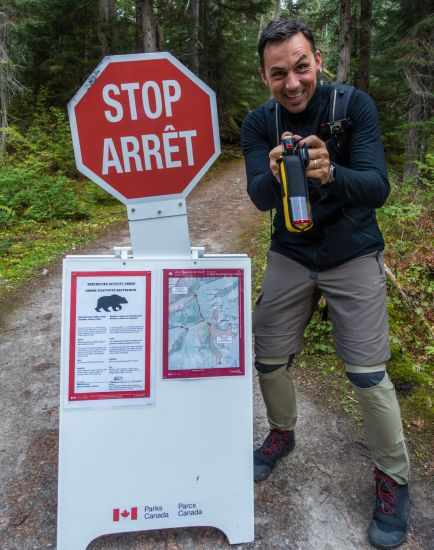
297 212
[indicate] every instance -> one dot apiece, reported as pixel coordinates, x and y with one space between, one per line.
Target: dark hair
279 30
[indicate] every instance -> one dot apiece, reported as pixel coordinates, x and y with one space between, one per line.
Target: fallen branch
395 283
351 398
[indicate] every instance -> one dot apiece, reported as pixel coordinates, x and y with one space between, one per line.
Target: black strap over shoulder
278 122
339 123
339 101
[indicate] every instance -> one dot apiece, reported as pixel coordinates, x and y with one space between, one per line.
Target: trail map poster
203 323
109 348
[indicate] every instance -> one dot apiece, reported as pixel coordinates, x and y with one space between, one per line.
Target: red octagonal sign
144 126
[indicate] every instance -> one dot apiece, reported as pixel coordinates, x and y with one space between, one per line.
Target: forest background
386 47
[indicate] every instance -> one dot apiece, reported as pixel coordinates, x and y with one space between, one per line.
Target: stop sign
144 127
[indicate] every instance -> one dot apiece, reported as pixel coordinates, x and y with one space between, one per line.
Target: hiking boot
388 528
276 445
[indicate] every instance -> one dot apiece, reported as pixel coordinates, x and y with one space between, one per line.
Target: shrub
40 197
43 145
6 215
404 372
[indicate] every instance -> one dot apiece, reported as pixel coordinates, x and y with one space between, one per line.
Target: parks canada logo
131 514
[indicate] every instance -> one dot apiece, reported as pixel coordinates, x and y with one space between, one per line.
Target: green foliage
5 245
96 195
426 167
55 44
322 16
30 246
30 195
318 336
38 179
260 245
6 215
45 145
405 373
406 217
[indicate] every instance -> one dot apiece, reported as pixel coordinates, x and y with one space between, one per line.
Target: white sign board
146 443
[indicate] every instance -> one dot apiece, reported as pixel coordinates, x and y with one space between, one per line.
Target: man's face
290 72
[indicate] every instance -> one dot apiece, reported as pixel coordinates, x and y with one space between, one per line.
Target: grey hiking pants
356 296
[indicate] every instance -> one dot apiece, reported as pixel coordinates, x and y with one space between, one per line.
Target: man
341 257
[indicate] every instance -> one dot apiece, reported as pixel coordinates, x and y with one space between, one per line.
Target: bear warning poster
109 335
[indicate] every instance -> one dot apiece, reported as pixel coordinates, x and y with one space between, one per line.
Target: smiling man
340 257
290 71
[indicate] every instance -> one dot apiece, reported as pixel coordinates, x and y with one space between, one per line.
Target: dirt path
319 498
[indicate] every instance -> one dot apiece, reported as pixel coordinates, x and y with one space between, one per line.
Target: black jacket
343 212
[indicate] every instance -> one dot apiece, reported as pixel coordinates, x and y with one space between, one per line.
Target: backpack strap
278 129
339 123
276 116
339 101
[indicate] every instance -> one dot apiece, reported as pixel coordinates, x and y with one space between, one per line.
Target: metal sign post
159 228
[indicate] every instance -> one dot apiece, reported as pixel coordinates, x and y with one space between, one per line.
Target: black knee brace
265 369
366 379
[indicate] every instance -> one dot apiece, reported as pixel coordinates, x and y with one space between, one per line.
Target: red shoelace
274 442
385 492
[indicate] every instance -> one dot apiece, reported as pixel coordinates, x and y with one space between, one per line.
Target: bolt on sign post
155 420
145 129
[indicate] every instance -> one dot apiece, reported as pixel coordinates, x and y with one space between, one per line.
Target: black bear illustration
114 301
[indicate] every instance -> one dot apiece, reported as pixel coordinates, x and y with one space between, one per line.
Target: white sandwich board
156 397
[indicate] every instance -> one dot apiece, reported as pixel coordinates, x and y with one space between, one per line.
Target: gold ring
315 164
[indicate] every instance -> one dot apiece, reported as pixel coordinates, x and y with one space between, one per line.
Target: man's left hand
319 159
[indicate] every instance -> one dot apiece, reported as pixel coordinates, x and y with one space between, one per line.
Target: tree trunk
4 77
343 71
106 12
146 26
362 79
277 9
195 51
8 83
414 149
421 82
418 65
204 36
219 70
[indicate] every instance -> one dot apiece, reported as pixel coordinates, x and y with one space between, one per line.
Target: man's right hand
276 153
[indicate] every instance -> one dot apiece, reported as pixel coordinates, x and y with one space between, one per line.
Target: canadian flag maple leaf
132 513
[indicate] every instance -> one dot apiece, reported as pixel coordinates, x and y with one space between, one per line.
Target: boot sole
383 547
